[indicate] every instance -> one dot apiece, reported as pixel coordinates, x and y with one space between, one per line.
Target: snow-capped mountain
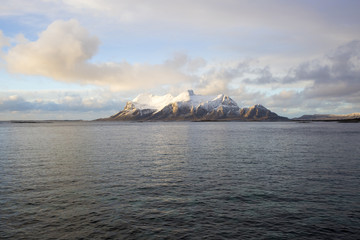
189 106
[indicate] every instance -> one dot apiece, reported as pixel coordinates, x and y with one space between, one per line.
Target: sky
84 59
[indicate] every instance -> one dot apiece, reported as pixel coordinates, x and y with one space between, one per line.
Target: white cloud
60 49
63 52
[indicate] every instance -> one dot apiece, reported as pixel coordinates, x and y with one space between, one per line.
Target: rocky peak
129 106
191 92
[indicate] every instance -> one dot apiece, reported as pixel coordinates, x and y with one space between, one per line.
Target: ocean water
179 180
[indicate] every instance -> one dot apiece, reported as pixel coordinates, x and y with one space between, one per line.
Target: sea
179 180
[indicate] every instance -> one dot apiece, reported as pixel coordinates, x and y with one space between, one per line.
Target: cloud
336 75
69 102
217 78
4 41
14 103
260 76
257 25
64 51
218 14
225 77
183 62
333 83
327 84
60 49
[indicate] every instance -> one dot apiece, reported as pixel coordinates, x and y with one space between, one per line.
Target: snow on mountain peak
149 101
259 106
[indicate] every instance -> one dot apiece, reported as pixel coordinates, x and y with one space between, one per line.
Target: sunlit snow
149 101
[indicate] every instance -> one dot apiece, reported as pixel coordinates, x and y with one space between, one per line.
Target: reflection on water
179 180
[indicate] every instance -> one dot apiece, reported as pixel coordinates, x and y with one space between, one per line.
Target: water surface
179 180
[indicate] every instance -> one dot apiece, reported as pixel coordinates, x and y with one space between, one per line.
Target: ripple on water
96 180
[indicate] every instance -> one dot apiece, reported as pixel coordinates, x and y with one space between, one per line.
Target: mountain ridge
188 106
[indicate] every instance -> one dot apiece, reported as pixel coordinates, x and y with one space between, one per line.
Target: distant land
39 121
353 117
188 106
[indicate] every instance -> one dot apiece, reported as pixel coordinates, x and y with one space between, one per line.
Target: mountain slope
259 112
191 107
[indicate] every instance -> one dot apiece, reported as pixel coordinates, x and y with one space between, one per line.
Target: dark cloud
336 75
15 103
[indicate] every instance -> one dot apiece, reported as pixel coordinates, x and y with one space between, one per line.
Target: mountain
188 106
328 117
